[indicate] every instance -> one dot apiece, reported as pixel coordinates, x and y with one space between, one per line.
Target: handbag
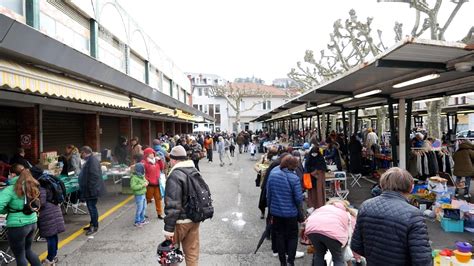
258 179
307 183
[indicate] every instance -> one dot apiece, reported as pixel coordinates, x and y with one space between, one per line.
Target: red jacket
152 171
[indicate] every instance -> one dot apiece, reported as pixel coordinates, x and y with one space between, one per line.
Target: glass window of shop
176 92
14 6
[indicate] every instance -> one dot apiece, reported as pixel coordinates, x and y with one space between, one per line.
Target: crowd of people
336 226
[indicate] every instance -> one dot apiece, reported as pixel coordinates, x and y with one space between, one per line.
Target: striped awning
22 77
152 107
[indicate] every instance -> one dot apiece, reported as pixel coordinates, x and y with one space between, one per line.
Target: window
218 109
195 106
242 105
266 105
206 92
14 5
199 91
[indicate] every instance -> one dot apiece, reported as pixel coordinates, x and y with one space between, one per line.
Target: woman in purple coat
50 224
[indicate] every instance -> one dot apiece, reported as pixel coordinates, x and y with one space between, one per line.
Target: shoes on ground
139 225
92 230
467 195
146 216
262 216
230 163
299 254
48 262
87 228
145 222
160 217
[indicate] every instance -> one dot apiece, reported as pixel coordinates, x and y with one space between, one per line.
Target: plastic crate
450 225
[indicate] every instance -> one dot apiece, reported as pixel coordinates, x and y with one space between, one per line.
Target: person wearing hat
178 227
139 184
91 187
153 168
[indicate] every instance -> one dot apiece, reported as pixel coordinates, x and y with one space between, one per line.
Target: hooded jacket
152 169
176 196
464 160
50 219
10 200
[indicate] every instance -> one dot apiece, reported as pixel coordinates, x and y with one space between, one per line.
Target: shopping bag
162 184
307 184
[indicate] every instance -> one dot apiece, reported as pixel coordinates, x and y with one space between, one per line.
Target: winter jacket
314 161
240 140
284 195
160 151
221 147
195 151
331 221
208 144
72 164
17 158
9 200
91 184
176 195
152 169
464 160
390 231
136 150
137 184
262 202
355 152
50 219
121 154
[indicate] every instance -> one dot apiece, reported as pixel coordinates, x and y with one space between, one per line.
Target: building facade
70 74
224 114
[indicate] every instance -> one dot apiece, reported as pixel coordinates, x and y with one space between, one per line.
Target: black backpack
56 191
199 205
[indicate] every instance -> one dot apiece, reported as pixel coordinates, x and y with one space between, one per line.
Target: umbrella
264 235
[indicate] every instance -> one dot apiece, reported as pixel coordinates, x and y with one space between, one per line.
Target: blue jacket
390 231
284 194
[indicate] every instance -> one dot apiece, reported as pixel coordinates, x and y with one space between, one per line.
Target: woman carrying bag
20 201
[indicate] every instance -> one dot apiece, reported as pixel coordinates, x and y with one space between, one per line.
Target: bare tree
235 93
350 43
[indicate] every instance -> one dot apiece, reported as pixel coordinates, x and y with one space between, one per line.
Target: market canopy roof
408 60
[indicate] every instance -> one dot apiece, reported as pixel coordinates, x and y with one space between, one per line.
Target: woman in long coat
355 153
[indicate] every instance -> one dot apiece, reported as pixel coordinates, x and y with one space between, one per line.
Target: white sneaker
275 254
299 254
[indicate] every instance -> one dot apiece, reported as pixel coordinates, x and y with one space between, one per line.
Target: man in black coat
390 231
91 187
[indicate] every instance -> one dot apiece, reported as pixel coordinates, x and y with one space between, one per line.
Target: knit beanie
139 169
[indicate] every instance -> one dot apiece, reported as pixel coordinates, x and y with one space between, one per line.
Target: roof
407 60
274 91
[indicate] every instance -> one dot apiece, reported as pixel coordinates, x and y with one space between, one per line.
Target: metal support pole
356 121
393 134
402 137
328 120
344 126
319 126
94 38
408 128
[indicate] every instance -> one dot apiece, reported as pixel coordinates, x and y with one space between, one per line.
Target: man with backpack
184 210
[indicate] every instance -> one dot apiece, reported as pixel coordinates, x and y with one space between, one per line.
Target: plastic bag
162 184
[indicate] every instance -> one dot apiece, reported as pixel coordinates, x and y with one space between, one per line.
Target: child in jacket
138 184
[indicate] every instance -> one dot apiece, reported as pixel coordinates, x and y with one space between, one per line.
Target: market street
229 238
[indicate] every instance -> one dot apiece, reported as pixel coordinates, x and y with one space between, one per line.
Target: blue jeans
140 201
91 206
52 247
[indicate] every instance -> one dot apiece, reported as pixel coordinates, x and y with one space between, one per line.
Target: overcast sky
264 38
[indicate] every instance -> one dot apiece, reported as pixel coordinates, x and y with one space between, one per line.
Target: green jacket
137 184
10 200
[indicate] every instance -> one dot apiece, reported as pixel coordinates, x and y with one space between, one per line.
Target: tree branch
450 19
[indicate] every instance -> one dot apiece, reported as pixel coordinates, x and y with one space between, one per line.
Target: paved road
228 239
